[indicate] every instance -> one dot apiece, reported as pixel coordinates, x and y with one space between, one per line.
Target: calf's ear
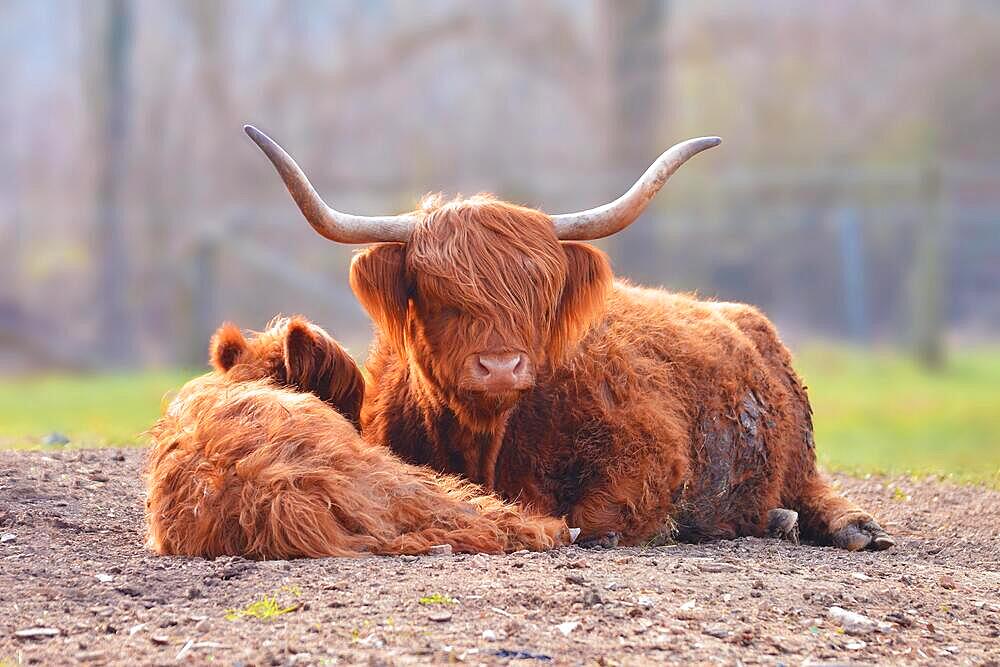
226 346
316 363
588 280
378 278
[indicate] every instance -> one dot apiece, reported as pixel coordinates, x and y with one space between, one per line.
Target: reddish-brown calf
244 465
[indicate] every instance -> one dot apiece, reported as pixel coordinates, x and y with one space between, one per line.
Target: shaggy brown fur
242 466
652 414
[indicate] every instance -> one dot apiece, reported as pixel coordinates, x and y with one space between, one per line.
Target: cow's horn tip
253 132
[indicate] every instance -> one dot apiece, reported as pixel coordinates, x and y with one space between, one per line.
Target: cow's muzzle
497 372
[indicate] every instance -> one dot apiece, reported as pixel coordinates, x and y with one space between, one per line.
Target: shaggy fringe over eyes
499 263
490 258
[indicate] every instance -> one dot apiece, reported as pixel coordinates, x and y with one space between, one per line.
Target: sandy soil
75 576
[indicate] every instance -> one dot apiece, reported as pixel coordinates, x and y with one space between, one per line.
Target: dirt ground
75 576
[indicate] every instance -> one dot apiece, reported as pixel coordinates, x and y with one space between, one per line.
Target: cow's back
663 373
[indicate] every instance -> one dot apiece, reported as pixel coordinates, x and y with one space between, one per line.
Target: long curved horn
334 225
596 223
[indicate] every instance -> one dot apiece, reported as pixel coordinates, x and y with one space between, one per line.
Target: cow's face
481 300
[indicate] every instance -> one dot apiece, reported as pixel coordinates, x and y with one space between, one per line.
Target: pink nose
501 371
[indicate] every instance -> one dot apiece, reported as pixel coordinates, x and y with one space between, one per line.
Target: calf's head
292 352
479 296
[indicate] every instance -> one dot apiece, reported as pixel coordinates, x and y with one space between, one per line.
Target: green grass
90 410
436 598
875 411
881 412
267 607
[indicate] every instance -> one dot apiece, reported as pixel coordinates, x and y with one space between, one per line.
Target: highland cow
505 351
249 461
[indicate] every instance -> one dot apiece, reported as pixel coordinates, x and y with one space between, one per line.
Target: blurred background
855 199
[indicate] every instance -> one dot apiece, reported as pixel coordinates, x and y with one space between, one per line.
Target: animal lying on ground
248 460
505 351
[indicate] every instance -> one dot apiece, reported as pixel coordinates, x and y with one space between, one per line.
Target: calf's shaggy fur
249 461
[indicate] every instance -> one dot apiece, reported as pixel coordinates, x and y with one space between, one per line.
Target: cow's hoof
783 524
863 535
605 541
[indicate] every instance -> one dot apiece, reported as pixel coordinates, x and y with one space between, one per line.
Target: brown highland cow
246 461
506 351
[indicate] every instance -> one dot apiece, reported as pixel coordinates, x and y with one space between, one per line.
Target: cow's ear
588 280
315 362
226 346
378 278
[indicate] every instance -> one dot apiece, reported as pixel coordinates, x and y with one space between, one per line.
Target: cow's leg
783 524
600 520
604 541
631 509
826 516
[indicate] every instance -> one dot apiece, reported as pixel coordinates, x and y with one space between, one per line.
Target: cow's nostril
519 366
500 364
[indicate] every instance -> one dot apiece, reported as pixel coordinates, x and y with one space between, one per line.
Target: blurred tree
111 107
158 186
634 33
211 37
